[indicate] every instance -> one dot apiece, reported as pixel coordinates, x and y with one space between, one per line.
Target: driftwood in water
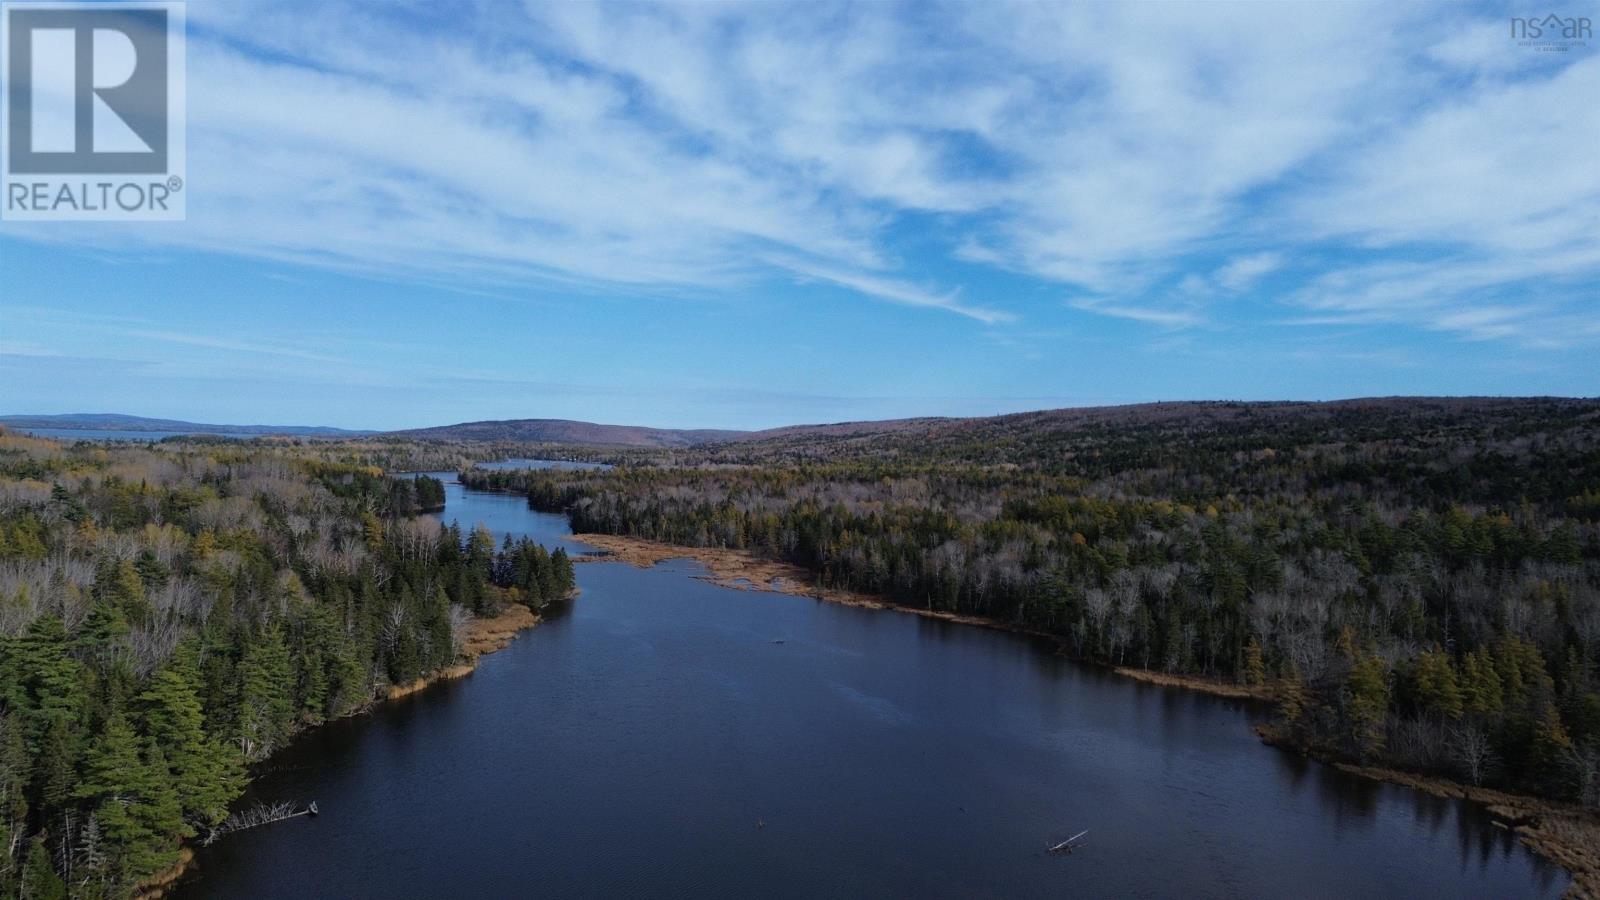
260 814
1070 844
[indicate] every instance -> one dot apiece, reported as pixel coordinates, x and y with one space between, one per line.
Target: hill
567 431
1136 435
118 422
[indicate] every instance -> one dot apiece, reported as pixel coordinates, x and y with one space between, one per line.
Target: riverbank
744 571
1213 686
483 637
162 881
1562 833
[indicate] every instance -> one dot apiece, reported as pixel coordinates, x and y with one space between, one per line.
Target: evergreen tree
14 774
1366 705
1255 667
129 791
205 771
39 878
1438 691
265 695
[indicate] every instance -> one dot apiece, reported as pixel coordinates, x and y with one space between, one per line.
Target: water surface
666 737
114 434
541 464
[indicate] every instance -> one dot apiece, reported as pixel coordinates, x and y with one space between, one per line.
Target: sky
749 215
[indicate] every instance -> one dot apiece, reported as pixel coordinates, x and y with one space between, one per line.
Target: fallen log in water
1070 844
260 814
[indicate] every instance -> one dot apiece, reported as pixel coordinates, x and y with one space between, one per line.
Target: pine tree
561 564
1482 694
265 695
119 585
205 772
100 634
1255 668
1293 697
39 878
14 772
1366 695
1550 758
1438 691
129 791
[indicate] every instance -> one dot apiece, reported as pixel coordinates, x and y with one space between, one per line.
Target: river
662 736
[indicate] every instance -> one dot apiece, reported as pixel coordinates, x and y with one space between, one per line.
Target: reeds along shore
484 636
1560 832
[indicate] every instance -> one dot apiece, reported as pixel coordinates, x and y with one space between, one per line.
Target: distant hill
974 437
118 422
850 429
1136 434
566 431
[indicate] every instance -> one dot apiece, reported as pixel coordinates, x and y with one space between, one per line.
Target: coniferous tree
128 789
205 771
39 878
265 692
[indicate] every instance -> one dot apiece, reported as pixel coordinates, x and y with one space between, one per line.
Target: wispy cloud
1241 273
1389 163
900 292
1167 318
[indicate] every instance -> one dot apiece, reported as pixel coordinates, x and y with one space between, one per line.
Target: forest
1417 580
171 614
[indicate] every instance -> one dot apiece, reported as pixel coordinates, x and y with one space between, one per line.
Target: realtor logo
93 111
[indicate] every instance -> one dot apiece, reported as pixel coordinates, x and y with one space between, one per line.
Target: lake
661 736
507 464
113 434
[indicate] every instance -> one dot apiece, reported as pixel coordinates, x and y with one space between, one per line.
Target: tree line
171 614
1421 582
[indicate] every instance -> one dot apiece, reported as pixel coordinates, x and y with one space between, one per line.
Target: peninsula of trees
171 613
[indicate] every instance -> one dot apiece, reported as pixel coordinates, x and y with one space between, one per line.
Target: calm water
109 434
541 464
654 739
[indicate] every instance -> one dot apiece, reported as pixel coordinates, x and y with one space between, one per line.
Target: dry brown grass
489 635
1200 683
744 571
483 636
1562 833
162 881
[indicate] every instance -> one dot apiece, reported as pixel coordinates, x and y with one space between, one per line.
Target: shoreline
741 570
1563 834
483 637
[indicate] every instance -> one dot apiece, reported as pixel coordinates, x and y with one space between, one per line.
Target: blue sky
753 215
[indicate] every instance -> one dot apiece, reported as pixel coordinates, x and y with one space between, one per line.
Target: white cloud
1241 273
1119 149
1166 318
899 292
